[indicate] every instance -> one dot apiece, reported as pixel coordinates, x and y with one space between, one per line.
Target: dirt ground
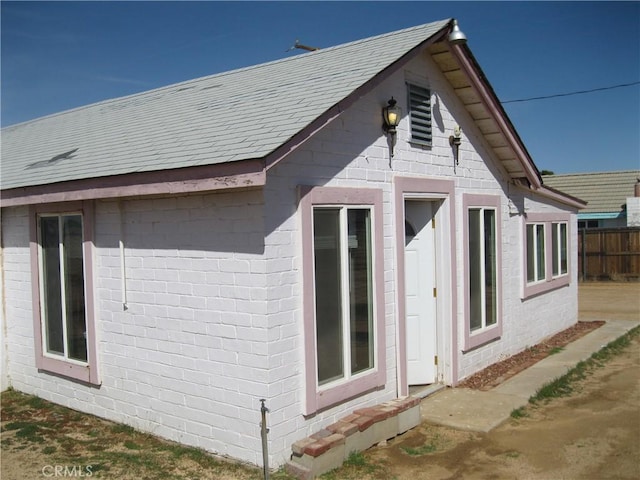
593 434
614 300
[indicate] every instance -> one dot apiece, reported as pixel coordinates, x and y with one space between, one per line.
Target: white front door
420 306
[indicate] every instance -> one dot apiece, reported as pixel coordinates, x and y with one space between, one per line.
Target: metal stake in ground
263 433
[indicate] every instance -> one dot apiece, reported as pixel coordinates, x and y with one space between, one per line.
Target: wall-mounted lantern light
455 140
391 115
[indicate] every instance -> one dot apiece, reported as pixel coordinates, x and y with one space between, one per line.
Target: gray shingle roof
237 115
605 192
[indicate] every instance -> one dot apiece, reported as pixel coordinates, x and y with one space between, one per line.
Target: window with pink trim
482 261
546 252
343 296
61 243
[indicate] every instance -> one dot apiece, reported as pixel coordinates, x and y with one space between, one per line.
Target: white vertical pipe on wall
123 271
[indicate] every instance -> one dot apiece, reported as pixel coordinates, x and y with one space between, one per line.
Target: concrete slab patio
481 411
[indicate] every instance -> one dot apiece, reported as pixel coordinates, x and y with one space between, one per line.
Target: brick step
330 447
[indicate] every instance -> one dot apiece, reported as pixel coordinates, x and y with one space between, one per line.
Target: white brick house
172 257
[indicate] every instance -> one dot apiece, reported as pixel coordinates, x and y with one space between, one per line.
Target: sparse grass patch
121 428
421 450
555 350
66 437
356 459
131 445
564 385
37 402
357 466
27 431
519 412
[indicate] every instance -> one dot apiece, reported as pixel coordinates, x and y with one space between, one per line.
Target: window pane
554 249
564 264
531 254
475 270
490 266
540 260
360 290
74 287
326 245
51 288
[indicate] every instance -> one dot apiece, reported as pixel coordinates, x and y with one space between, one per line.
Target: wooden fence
609 254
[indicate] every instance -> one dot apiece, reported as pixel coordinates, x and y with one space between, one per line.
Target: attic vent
420 113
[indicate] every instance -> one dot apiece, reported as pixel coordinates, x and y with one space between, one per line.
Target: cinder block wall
188 359
352 152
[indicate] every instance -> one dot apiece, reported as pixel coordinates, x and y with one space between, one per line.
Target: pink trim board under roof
170 140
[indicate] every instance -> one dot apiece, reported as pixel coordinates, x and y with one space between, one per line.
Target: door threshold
422 391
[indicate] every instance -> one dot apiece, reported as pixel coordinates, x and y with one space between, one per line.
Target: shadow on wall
225 222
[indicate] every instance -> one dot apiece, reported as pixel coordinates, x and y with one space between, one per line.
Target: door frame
443 191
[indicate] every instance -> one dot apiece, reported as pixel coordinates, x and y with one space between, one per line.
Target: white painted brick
214 288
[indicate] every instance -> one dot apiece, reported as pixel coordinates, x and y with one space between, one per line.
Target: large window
482 263
343 287
62 286
343 293
62 298
482 268
547 252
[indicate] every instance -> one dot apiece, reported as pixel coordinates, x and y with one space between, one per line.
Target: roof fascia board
470 67
334 112
244 174
557 196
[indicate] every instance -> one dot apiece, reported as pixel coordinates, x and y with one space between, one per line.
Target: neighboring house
172 257
613 199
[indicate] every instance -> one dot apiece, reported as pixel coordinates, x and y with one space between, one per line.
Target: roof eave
556 195
241 174
479 81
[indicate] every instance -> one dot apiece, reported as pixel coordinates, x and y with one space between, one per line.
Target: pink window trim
444 189
487 334
550 282
318 399
86 373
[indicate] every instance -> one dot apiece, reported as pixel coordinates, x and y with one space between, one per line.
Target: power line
580 92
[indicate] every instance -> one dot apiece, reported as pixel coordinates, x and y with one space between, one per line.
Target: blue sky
61 55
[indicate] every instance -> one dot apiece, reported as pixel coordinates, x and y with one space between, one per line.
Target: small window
588 224
535 253
559 248
546 254
420 113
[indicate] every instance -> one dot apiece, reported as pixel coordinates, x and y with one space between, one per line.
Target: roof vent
302 47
